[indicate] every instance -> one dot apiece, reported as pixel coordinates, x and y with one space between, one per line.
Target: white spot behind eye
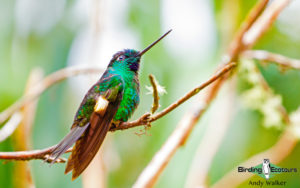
121 57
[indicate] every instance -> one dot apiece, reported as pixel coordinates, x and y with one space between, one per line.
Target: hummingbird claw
145 119
48 159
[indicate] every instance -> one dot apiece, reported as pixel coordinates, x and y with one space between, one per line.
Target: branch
272 58
26 155
237 45
68 72
146 118
263 23
143 120
155 104
10 126
267 88
50 80
36 154
42 154
158 163
275 58
151 173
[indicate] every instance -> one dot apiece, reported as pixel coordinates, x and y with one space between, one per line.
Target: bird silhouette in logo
266 168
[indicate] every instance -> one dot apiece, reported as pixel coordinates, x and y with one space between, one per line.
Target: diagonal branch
273 58
264 22
10 125
147 118
237 45
49 81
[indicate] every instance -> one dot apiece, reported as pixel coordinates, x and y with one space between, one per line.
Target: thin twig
196 90
155 104
263 23
148 118
267 88
273 58
10 126
42 154
236 45
26 155
279 59
49 81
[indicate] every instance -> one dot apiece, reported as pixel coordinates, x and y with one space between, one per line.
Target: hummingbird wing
89 143
89 130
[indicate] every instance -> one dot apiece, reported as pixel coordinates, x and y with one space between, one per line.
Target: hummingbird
109 102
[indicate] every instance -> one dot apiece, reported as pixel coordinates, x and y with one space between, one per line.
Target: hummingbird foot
48 159
145 119
115 124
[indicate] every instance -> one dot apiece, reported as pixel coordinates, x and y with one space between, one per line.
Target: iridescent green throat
130 98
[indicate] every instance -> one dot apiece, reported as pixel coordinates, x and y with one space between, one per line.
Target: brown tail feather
68 141
88 145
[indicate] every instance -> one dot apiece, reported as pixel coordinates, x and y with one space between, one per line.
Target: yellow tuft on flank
101 105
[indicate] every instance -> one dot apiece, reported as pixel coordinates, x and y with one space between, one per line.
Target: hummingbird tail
88 145
75 133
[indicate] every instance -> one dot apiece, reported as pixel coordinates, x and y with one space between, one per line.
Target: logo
266 168
267 171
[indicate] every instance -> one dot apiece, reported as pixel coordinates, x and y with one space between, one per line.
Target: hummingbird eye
121 58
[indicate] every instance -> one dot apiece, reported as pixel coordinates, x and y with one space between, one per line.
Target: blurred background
49 35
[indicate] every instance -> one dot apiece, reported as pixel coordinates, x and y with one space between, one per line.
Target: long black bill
155 42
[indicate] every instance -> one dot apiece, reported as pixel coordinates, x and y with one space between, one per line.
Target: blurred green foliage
50 50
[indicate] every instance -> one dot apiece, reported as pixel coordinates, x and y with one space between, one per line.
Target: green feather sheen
130 98
131 91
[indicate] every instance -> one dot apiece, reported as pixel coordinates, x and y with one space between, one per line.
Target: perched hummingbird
111 100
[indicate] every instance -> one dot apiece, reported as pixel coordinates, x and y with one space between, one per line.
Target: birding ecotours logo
266 169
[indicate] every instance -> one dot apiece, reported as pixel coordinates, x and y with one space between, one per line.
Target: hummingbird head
130 58
127 58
